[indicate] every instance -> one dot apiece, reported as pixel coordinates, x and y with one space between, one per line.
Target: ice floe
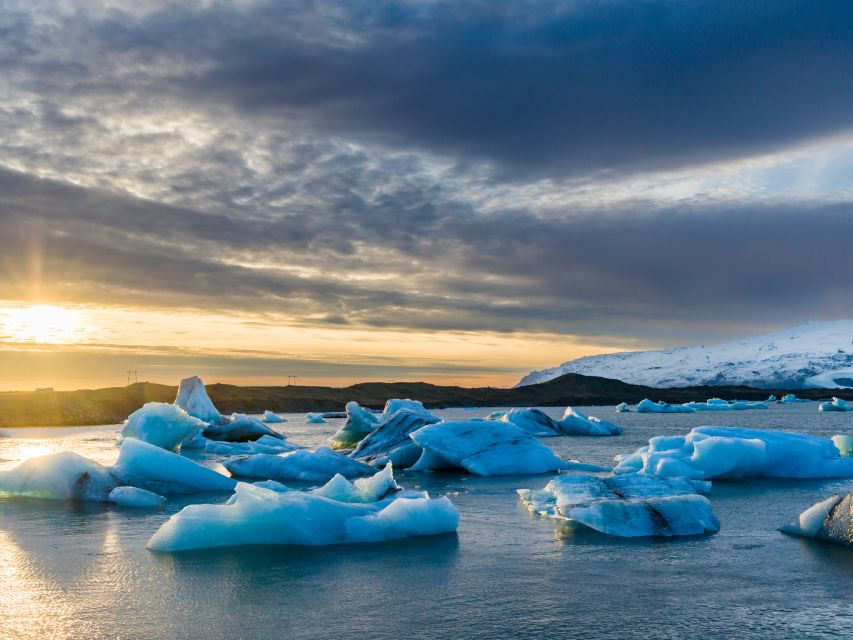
836 404
623 407
135 497
314 418
149 467
239 428
844 444
390 441
273 418
257 515
360 422
486 448
830 520
320 465
718 404
647 406
164 425
61 476
790 398
193 398
629 505
734 452
576 423
264 444
538 423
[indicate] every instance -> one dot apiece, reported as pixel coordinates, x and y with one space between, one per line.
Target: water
81 571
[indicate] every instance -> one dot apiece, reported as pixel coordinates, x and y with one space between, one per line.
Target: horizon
316 194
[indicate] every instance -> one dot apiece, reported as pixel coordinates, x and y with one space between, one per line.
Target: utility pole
132 376
291 380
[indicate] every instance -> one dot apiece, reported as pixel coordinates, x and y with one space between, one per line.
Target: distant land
815 355
113 405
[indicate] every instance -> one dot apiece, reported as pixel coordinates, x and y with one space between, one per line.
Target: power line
132 376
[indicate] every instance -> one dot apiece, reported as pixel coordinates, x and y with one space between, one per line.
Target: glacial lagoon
82 570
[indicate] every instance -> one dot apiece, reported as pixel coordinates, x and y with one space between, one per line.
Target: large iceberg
647 406
60 476
193 398
260 516
390 441
239 428
485 448
264 444
360 422
273 418
831 520
734 452
312 466
836 404
718 404
630 505
149 467
161 424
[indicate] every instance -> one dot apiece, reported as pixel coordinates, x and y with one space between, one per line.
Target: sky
456 192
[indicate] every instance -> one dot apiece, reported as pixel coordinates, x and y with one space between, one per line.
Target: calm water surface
81 571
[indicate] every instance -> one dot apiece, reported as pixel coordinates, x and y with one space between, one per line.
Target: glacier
630 505
359 422
830 520
711 452
373 511
319 465
165 425
813 355
486 448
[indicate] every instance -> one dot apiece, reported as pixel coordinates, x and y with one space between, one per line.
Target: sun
43 324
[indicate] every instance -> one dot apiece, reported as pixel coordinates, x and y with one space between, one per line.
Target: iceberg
623 407
193 398
395 404
314 418
390 441
844 444
164 425
135 497
647 406
830 520
239 428
771 398
716 404
273 418
149 467
628 506
734 452
576 423
359 423
260 516
534 421
264 444
60 476
790 398
486 448
370 489
836 404
320 465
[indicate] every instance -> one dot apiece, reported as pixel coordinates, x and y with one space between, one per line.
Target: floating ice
485 448
791 398
60 476
623 407
395 404
135 497
164 425
836 404
576 423
273 418
496 415
717 404
390 441
534 421
193 398
370 489
359 423
264 444
239 428
143 465
844 444
320 465
629 506
733 452
647 406
771 398
314 418
830 520
259 516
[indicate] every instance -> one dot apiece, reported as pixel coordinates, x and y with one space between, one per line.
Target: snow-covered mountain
816 354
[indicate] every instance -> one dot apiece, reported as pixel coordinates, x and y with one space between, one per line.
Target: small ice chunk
164 425
314 418
143 465
320 465
576 423
135 497
360 422
370 489
830 520
264 444
193 398
844 444
273 418
60 476
647 406
395 404
259 516
534 421
239 428
623 407
836 404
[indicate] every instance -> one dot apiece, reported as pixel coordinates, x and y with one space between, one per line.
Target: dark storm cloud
641 271
537 88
